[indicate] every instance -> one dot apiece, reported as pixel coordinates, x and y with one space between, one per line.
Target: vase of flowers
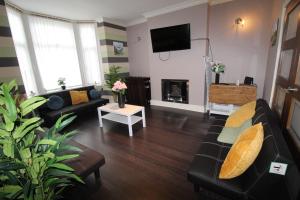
61 82
120 87
218 68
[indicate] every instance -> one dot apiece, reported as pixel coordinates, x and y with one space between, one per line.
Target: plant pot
63 87
121 100
217 78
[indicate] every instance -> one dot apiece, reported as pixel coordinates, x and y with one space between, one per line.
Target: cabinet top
232 85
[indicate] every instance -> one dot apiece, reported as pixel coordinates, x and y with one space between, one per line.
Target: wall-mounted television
171 38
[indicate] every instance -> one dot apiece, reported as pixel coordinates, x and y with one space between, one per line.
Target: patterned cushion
55 102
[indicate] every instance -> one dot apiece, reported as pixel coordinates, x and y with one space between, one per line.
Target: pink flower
118 86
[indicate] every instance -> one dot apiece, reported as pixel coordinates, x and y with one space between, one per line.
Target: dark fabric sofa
256 182
50 116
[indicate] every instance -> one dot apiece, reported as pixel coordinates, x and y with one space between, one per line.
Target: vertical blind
22 51
55 50
88 43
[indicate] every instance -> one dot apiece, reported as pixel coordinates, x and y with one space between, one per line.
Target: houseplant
32 159
218 68
111 77
61 82
120 87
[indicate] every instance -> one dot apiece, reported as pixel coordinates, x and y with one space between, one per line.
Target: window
55 51
89 52
21 46
48 49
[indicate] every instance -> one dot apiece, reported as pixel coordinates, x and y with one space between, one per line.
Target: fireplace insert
175 90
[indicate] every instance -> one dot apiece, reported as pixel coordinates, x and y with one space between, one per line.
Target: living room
170 99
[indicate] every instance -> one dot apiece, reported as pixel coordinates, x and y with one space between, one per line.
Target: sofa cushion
242 114
229 135
95 94
78 97
243 152
55 102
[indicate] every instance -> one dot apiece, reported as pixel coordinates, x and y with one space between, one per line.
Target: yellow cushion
243 152
242 114
78 97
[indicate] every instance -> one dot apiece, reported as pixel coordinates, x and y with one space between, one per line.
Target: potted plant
61 82
111 77
120 87
218 68
32 159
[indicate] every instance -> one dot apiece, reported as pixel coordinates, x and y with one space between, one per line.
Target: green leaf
4 133
9 124
31 101
26 127
61 166
25 153
2 101
8 166
8 189
47 142
12 84
28 140
9 103
66 157
31 104
64 121
77 178
8 149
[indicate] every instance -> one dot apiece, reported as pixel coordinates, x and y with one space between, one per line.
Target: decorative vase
63 87
121 100
217 78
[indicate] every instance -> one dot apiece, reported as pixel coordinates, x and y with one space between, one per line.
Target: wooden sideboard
230 95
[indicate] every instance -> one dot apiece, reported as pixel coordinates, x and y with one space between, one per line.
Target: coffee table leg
129 125
100 118
143 116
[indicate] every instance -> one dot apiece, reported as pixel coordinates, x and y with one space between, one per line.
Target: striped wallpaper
109 33
9 67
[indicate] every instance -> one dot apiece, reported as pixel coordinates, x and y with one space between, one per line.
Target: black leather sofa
50 116
256 182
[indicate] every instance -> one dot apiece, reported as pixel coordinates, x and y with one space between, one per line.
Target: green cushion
229 135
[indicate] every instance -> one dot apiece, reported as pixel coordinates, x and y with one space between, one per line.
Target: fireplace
174 90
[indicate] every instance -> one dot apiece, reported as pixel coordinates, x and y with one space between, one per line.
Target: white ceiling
123 10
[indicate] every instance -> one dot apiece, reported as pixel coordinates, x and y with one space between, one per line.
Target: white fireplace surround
190 107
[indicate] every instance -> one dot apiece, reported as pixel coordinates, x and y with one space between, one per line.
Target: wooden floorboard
151 165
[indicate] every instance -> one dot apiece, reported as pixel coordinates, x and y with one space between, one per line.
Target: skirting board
190 107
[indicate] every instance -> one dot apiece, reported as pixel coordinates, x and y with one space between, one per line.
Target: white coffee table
122 115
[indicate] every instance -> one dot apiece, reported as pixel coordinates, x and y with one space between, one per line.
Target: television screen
171 38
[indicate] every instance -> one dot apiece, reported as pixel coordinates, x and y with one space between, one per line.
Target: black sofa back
257 179
256 183
65 95
83 109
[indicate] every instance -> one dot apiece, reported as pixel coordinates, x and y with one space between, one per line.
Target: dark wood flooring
151 165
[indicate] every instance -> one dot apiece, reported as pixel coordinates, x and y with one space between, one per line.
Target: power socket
278 168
